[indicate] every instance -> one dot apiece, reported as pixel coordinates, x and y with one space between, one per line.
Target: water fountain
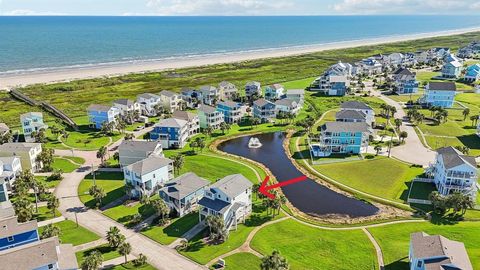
254 143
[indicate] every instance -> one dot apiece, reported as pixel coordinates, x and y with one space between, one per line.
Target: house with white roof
126 106
405 81
287 105
100 114
335 81
130 152
452 171
192 119
170 100
296 94
147 102
148 175
252 88
274 92
10 168
32 122
439 94
210 95
452 67
435 252
210 117
26 152
230 198
369 66
360 107
171 133
394 59
264 110
183 193
227 90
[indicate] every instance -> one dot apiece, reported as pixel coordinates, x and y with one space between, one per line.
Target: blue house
473 73
405 81
16 234
264 110
171 133
439 94
32 122
232 111
99 114
341 138
452 69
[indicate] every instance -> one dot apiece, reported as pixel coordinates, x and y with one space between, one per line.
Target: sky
237 7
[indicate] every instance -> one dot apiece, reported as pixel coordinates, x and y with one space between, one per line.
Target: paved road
159 256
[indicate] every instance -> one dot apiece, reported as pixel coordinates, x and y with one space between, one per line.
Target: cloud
219 7
405 6
28 12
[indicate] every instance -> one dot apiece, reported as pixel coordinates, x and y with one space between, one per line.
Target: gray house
132 151
183 193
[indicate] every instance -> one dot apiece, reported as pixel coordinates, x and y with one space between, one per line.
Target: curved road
159 256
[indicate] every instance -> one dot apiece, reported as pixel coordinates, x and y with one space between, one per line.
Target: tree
465 113
23 209
45 159
398 123
116 156
178 161
101 154
129 136
140 260
403 135
114 237
92 261
224 127
255 121
50 230
160 208
462 148
474 119
120 124
274 262
52 204
193 145
207 131
378 149
124 249
97 193
438 202
217 230
200 143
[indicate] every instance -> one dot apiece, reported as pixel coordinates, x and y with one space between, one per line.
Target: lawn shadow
398 265
471 141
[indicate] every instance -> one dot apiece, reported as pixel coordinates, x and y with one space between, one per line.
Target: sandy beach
116 69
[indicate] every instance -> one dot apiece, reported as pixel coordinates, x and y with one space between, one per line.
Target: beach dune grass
306 247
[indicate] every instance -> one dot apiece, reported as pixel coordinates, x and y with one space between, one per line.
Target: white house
210 95
287 105
405 81
394 59
10 168
27 152
229 197
147 103
130 152
360 107
126 106
274 92
454 172
170 100
452 67
437 252
32 122
296 94
227 90
192 120
439 94
148 175
335 81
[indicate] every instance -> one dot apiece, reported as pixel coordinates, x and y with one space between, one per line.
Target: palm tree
102 153
200 143
398 123
98 193
465 113
124 249
93 261
255 121
274 262
50 230
377 149
178 161
207 131
52 204
474 119
224 127
114 237
160 208
403 135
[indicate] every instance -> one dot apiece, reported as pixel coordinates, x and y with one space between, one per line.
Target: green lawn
383 177
71 234
394 240
47 181
427 76
202 252
306 247
124 214
44 213
63 164
111 182
78 160
421 190
107 252
242 260
177 227
130 265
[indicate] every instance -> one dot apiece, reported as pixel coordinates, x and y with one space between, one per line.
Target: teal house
232 111
472 73
439 94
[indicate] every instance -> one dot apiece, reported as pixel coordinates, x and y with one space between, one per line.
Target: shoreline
117 69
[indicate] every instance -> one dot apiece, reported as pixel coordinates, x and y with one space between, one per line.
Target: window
10 239
153 175
50 266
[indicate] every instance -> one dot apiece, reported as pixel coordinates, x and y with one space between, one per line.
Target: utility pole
93 174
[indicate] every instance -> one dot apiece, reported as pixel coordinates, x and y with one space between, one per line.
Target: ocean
41 43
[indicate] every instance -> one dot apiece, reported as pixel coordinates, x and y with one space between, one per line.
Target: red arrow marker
264 188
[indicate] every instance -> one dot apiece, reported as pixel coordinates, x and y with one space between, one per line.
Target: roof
355 105
453 158
262 102
30 114
428 246
10 226
216 205
442 86
148 95
167 93
172 122
226 84
206 109
8 160
232 185
145 146
124 101
208 88
276 86
286 102
21 146
345 127
149 164
350 114
183 115
6 210
4 128
295 92
455 63
99 108
253 83
403 71
184 185
229 103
